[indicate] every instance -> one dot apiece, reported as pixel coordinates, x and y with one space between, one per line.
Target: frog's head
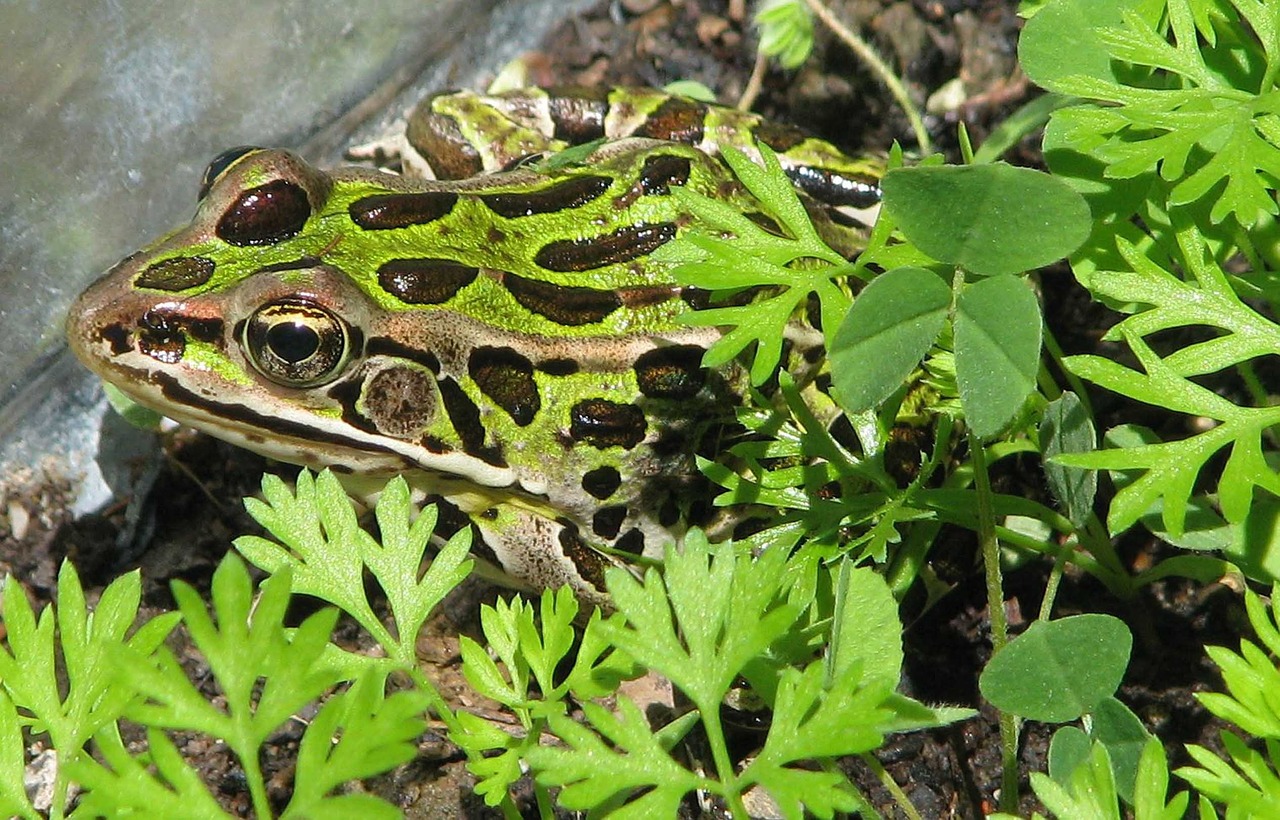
246 324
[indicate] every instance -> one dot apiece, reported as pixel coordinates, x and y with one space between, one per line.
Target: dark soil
965 45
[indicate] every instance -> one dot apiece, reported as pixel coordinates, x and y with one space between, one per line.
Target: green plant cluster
715 617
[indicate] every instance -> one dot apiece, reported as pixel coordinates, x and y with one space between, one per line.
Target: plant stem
1055 578
720 753
754 82
878 67
1077 386
253 777
899 796
995 611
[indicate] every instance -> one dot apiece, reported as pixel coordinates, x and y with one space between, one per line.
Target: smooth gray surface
110 111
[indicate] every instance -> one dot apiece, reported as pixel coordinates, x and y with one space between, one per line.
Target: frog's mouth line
230 417
295 442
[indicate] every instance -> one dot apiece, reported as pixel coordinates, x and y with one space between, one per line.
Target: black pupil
293 342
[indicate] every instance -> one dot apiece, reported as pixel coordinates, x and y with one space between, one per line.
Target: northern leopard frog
499 335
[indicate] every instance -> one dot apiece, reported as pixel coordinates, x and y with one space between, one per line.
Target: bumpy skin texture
506 340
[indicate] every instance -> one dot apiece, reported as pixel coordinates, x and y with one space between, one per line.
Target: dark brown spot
607 521
425 281
265 215
766 223
577 113
779 137
505 376
382 212
696 298
464 415
623 245
558 367
562 304
679 119
385 346
179 273
835 188
204 330
602 482
163 334
661 172
496 236
164 348
441 143
562 196
400 401
632 542
436 445
671 372
117 337
603 423
449 517
586 560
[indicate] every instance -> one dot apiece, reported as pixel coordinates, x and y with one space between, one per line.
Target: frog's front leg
536 551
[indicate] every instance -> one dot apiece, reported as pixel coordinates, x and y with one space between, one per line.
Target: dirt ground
960 56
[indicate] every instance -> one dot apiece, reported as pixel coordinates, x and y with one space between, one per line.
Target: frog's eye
219 166
296 343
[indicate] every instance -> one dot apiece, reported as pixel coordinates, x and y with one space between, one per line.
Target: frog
497 327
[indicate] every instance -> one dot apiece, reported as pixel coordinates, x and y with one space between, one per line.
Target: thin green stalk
1055 352
908 560
253 776
724 764
899 796
1055 578
878 67
995 610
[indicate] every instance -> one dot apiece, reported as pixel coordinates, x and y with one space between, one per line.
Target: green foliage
1187 87
1161 300
1089 791
1067 428
1172 119
989 219
885 335
1114 727
531 650
756 257
266 673
1247 783
90 645
902 327
786 31
969 217
1058 670
997 342
716 615
326 551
